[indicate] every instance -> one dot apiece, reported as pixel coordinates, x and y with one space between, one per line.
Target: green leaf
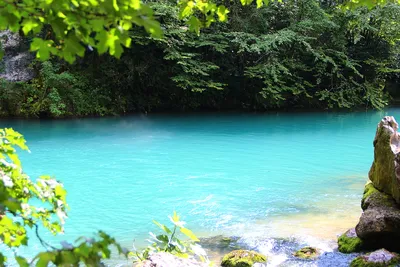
115 5
21 261
3 259
135 4
97 24
222 13
186 9
189 234
194 25
163 227
43 48
28 25
175 217
60 193
44 259
153 27
83 250
246 2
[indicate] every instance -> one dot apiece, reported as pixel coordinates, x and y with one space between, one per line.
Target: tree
67 28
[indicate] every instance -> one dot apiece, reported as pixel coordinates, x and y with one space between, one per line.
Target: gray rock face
378 258
16 59
379 225
163 259
381 255
385 169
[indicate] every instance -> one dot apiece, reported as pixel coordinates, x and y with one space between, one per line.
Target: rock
379 225
349 242
378 258
307 253
15 63
242 258
385 169
163 259
373 198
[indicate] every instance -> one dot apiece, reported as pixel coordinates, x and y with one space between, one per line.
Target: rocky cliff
14 65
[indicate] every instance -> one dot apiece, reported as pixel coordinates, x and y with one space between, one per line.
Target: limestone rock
243 258
15 63
349 242
385 169
163 259
378 258
379 225
307 253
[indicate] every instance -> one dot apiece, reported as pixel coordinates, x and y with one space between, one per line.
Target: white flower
177 223
52 183
7 181
60 203
7 164
61 215
26 208
42 210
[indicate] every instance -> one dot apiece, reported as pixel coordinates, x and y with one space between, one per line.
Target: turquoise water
235 174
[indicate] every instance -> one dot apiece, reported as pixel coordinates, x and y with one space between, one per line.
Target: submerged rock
163 259
307 253
378 258
243 258
349 242
385 169
379 224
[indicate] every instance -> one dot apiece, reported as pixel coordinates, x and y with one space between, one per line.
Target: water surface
251 175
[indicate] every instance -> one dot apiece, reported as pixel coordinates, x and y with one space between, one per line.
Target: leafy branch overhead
67 28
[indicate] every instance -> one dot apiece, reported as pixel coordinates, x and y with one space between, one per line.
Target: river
274 175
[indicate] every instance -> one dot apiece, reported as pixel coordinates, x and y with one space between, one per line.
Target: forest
303 54
101 58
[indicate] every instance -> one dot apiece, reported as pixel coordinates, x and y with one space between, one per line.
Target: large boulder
163 259
385 170
379 225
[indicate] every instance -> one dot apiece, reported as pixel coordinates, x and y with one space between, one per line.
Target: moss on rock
242 258
349 242
385 169
307 253
378 258
372 197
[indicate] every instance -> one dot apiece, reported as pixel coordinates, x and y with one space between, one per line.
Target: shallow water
271 175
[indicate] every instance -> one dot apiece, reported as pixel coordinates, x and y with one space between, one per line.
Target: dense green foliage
75 25
296 54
